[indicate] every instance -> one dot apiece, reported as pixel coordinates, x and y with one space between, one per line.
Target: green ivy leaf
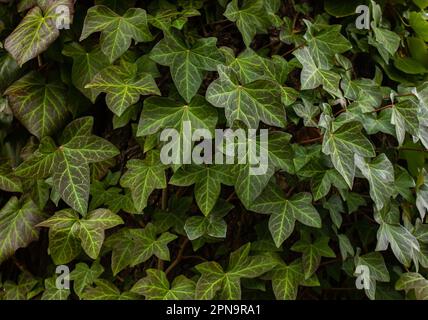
325 43
314 75
212 226
215 280
286 280
84 276
66 231
413 281
86 65
8 181
52 292
143 177
284 212
69 163
155 286
36 31
105 290
21 290
39 104
250 103
207 180
123 85
251 18
18 220
312 253
164 113
405 118
403 243
117 32
135 246
187 63
378 272
342 143
380 174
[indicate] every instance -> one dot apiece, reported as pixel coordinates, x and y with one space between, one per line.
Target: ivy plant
90 90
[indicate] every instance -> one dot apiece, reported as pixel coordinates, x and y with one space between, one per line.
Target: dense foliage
345 193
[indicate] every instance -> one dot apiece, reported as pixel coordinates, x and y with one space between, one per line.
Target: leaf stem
179 256
311 140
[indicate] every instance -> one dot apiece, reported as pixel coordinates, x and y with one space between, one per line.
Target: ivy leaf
312 253
8 181
83 276
413 281
21 290
286 280
18 220
345 246
105 290
143 177
91 230
71 177
380 174
122 244
403 243
342 143
422 200
134 246
123 85
86 65
117 32
155 286
187 63
241 265
148 244
251 180
251 18
249 103
388 40
322 183
161 113
405 118
71 173
52 292
9 71
36 32
213 226
39 104
313 75
377 270
284 212
69 163
207 180
419 24
64 245
325 43
167 17
67 231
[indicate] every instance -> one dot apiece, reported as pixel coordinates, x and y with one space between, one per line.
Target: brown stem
311 140
179 256
412 149
383 108
292 50
164 199
160 264
399 95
